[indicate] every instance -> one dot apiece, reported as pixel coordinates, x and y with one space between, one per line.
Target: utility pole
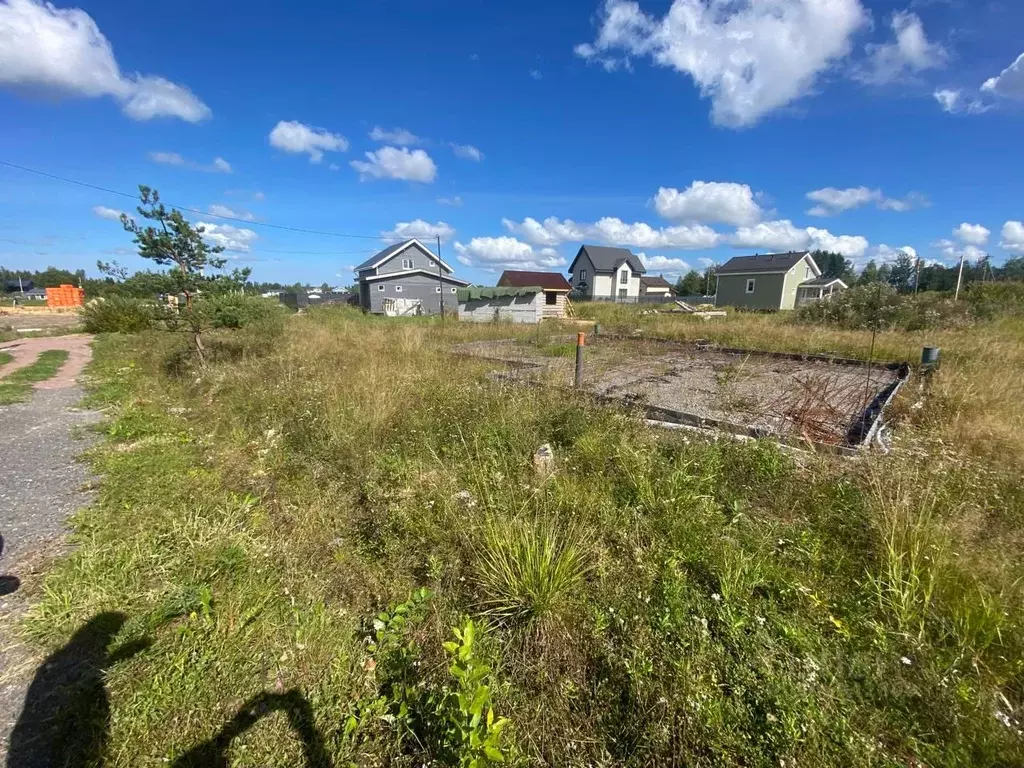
440 275
917 273
959 277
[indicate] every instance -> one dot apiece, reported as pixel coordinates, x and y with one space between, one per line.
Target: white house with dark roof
407 278
606 274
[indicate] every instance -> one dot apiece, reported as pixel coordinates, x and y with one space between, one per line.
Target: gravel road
41 483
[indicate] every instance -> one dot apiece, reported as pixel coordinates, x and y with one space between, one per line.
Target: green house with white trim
769 281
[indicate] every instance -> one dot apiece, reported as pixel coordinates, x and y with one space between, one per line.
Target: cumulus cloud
1013 237
951 251
1009 83
888 254
237 239
955 102
710 201
782 235
218 165
831 201
612 231
971 234
395 163
664 265
107 213
749 58
299 138
420 229
908 54
467 152
400 136
506 253
229 213
62 51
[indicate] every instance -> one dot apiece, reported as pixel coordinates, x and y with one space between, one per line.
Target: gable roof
551 281
381 256
821 282
655 282
407 272
765 263
607 259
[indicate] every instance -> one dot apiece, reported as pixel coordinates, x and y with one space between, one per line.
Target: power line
190 210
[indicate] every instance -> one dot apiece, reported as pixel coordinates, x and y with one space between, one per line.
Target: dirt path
25 352
41 483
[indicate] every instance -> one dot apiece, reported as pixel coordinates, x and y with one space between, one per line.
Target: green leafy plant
119 314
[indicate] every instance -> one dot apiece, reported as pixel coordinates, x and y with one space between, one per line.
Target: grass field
16 387
313 517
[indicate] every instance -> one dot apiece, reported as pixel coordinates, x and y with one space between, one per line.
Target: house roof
407 272
550 281
770 262
381 256
822 282
607 259
477 292
655 282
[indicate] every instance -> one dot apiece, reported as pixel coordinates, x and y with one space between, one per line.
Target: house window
408 264
380 287
622 293
550 298
624 277
750 285
398 289
583 274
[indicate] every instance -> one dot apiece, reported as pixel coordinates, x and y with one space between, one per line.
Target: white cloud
1013 237
395 163
299 138
467 152
420 229
506 252
231 238
910 53
955 102
550 232
832 201
708 202
750 58
107 213
219 164
400 136
62 50
888 254
664 265
536 74
971 234
782 235
1009 83
613 231
455 201
222 210
951 251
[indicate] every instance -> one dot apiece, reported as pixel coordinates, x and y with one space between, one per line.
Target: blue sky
688 131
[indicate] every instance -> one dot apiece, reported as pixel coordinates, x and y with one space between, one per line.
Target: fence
644 299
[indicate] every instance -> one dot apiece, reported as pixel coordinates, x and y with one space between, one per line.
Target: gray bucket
930 356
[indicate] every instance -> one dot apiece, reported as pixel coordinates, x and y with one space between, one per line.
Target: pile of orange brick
65 296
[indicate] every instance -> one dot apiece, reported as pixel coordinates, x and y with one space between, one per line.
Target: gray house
768 281
606 274
407 279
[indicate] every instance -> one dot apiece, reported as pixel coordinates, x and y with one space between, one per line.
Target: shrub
990 300
235 310
120 314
